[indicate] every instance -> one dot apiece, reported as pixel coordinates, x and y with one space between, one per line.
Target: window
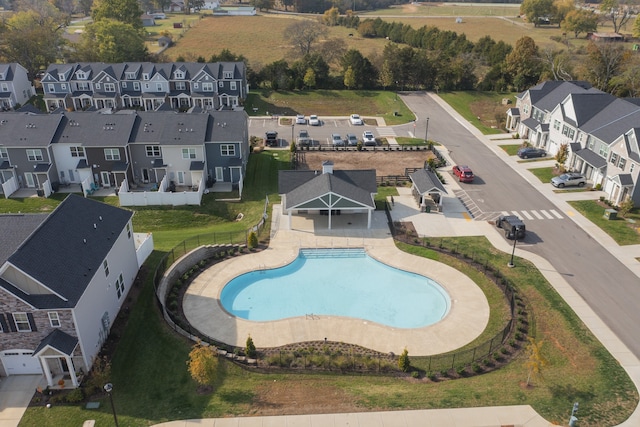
568 132
228 74
111 154
34 155
622 163
604 150
120 286
221 84
632 167
207 87
232 86
146 86
4 153
124 85
22 322
145 76
105 265
590 143
556 124
195 85
54 319
83 86
181 85
136 85
97 85
158 87
614 159
80 75
63 86
52 87
179 75
153 150
109 87
128 230
188 153
77 151
228 150
5 87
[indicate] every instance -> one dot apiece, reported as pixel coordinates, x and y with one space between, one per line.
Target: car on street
463 173
314 120
530 152
368 138
568 179
301 120
271 138
513 226
336 140
351 140
356 120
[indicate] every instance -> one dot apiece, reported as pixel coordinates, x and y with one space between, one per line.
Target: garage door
20 362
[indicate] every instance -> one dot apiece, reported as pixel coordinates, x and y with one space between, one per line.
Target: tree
330 17
386 75
612 11
310 78
262 4
403 361
363 72
303 34
32 40
604 62
636 26
536 9
350 78
536 360
627 83
580 21
202 364
126 11
557 64
560 9
108 40
562 154
250 348
333 49
523 64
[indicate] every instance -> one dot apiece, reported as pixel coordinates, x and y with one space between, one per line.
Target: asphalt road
609 288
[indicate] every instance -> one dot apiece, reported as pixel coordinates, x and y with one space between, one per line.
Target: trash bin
428 209
610 214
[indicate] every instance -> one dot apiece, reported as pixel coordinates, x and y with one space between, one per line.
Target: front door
63 364
31 182
219 174
105 179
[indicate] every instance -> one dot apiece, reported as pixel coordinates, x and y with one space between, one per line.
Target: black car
271 138
513 226
529 152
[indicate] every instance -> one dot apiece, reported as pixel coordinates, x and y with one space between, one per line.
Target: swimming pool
337 282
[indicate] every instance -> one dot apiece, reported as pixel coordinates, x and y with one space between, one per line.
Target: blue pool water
337 282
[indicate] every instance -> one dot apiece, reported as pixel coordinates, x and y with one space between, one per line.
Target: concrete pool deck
467 317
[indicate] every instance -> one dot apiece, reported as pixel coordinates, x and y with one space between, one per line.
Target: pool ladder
262 268
311 316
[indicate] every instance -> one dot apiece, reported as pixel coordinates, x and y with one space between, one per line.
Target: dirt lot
384 162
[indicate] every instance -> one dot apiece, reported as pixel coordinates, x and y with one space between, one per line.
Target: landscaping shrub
250 348
403 361
75 396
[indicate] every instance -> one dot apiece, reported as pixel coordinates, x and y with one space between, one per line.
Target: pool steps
333 253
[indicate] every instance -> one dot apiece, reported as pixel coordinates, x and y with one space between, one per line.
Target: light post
426 133
573 419
513 251
396 90
108 387
292 126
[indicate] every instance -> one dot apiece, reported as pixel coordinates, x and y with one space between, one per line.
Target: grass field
484 110
619 229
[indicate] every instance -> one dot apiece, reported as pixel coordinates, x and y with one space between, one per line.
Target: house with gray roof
328 192
427 189
63 279
15 87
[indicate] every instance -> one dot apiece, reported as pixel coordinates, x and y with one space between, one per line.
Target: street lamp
292 126
108 387
513 251
426 133
573 419
396 90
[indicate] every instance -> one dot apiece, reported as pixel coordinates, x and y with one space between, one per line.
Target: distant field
450 9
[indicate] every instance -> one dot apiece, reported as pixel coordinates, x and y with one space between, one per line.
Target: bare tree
557 64
303 34
618 14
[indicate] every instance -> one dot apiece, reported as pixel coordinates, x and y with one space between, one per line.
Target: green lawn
405 140
511 149
330 103
621 230
484 110
543 174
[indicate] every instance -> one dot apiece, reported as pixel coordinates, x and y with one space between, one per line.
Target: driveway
15 394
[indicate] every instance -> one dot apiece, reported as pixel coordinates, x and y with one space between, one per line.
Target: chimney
327 166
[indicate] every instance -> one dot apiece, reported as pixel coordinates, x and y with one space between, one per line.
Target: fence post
453 360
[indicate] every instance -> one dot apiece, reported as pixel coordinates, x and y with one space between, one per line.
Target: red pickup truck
463 173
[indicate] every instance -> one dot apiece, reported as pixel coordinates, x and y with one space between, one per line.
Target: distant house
605 37
148 20
211 4
15 87
63 279
234 11
328 192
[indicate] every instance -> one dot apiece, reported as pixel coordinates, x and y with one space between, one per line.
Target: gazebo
426 187
328 192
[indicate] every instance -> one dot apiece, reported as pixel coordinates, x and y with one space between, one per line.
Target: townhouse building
15 87
145 86
598 130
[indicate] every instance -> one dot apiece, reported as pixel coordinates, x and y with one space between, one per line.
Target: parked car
336 140
568 179
314 120
356 120
304 140
301 120
463 173
530 152
351 140
513 226
271 138
368 138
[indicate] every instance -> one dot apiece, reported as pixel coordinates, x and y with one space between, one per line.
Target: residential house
15 87
148 20
63 279
328 192
227 146
26 157
146 86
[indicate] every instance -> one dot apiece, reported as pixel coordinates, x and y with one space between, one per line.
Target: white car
356 120
368 138
314 120
301 120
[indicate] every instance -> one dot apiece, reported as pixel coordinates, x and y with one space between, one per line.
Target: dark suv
512 225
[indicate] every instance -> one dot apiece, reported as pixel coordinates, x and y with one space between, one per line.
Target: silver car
568 179
301 120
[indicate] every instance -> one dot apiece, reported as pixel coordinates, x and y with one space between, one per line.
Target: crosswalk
386 131
528 215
